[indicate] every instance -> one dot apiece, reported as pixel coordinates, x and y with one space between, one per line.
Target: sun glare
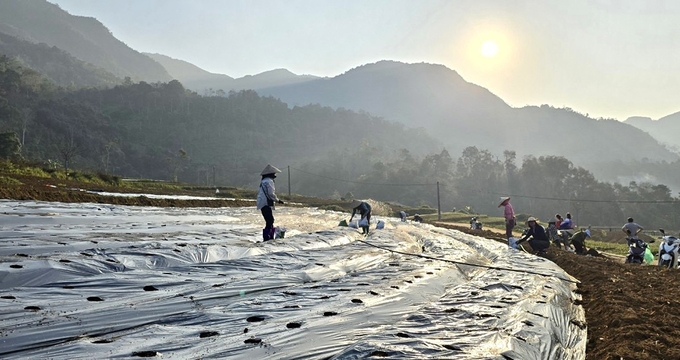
489 48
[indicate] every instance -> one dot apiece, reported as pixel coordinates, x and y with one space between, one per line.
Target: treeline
476 180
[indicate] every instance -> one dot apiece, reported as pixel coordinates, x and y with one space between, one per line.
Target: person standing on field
266 198
509 215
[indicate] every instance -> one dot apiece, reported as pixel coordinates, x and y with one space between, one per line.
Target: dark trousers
539 245
268 217
268 232
509 225
579 247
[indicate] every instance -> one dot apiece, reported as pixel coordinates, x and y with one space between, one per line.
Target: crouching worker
364 210
403 215
266 198
579 241
539 239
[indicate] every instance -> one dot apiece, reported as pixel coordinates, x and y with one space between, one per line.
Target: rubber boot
272 233
265 235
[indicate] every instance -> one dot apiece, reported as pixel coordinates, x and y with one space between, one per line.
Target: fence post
439 206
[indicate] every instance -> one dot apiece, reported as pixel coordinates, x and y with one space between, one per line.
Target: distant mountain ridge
199 80
666 130
85 38
57 65
429 96
463 114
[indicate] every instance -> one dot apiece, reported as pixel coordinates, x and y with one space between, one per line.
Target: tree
68 148
177 162
27 115
10 147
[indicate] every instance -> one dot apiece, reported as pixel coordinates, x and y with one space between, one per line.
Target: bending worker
539 239
364 210
579 241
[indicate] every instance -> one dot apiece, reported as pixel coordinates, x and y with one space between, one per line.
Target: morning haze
187 179
450 90
612 59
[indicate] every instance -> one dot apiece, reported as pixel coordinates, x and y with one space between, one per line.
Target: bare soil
632 310
43 189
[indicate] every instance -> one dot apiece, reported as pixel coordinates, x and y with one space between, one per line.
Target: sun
489 48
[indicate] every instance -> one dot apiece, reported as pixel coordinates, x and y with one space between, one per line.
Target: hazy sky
615 58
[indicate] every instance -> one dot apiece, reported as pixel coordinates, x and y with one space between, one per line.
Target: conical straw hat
503 199
270 170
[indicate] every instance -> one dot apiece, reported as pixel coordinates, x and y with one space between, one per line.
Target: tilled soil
42 189
633 311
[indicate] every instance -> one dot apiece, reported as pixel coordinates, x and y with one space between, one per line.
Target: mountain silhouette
665 130
199 80
55 64
463 114
85 38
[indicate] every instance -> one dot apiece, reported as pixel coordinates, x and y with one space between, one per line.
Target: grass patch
10 168
8 181
495 222
609 247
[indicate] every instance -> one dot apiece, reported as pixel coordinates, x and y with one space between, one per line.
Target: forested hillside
139 129
86 39
55 64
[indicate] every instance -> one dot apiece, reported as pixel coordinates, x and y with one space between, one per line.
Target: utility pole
214 184
439 205
288 182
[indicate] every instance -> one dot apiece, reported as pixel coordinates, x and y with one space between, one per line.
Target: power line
497 193
591 200
361 182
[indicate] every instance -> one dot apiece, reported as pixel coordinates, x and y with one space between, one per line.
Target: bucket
280 233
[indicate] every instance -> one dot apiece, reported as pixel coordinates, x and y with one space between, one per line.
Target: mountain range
199 80
81 51
665 129
462 114
85 38
55 64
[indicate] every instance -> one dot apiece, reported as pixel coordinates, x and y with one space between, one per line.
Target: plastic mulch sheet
100 281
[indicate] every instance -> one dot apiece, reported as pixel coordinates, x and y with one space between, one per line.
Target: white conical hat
270 170
503 199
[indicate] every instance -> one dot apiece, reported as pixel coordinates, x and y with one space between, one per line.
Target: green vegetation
8 167
608 247
9 181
